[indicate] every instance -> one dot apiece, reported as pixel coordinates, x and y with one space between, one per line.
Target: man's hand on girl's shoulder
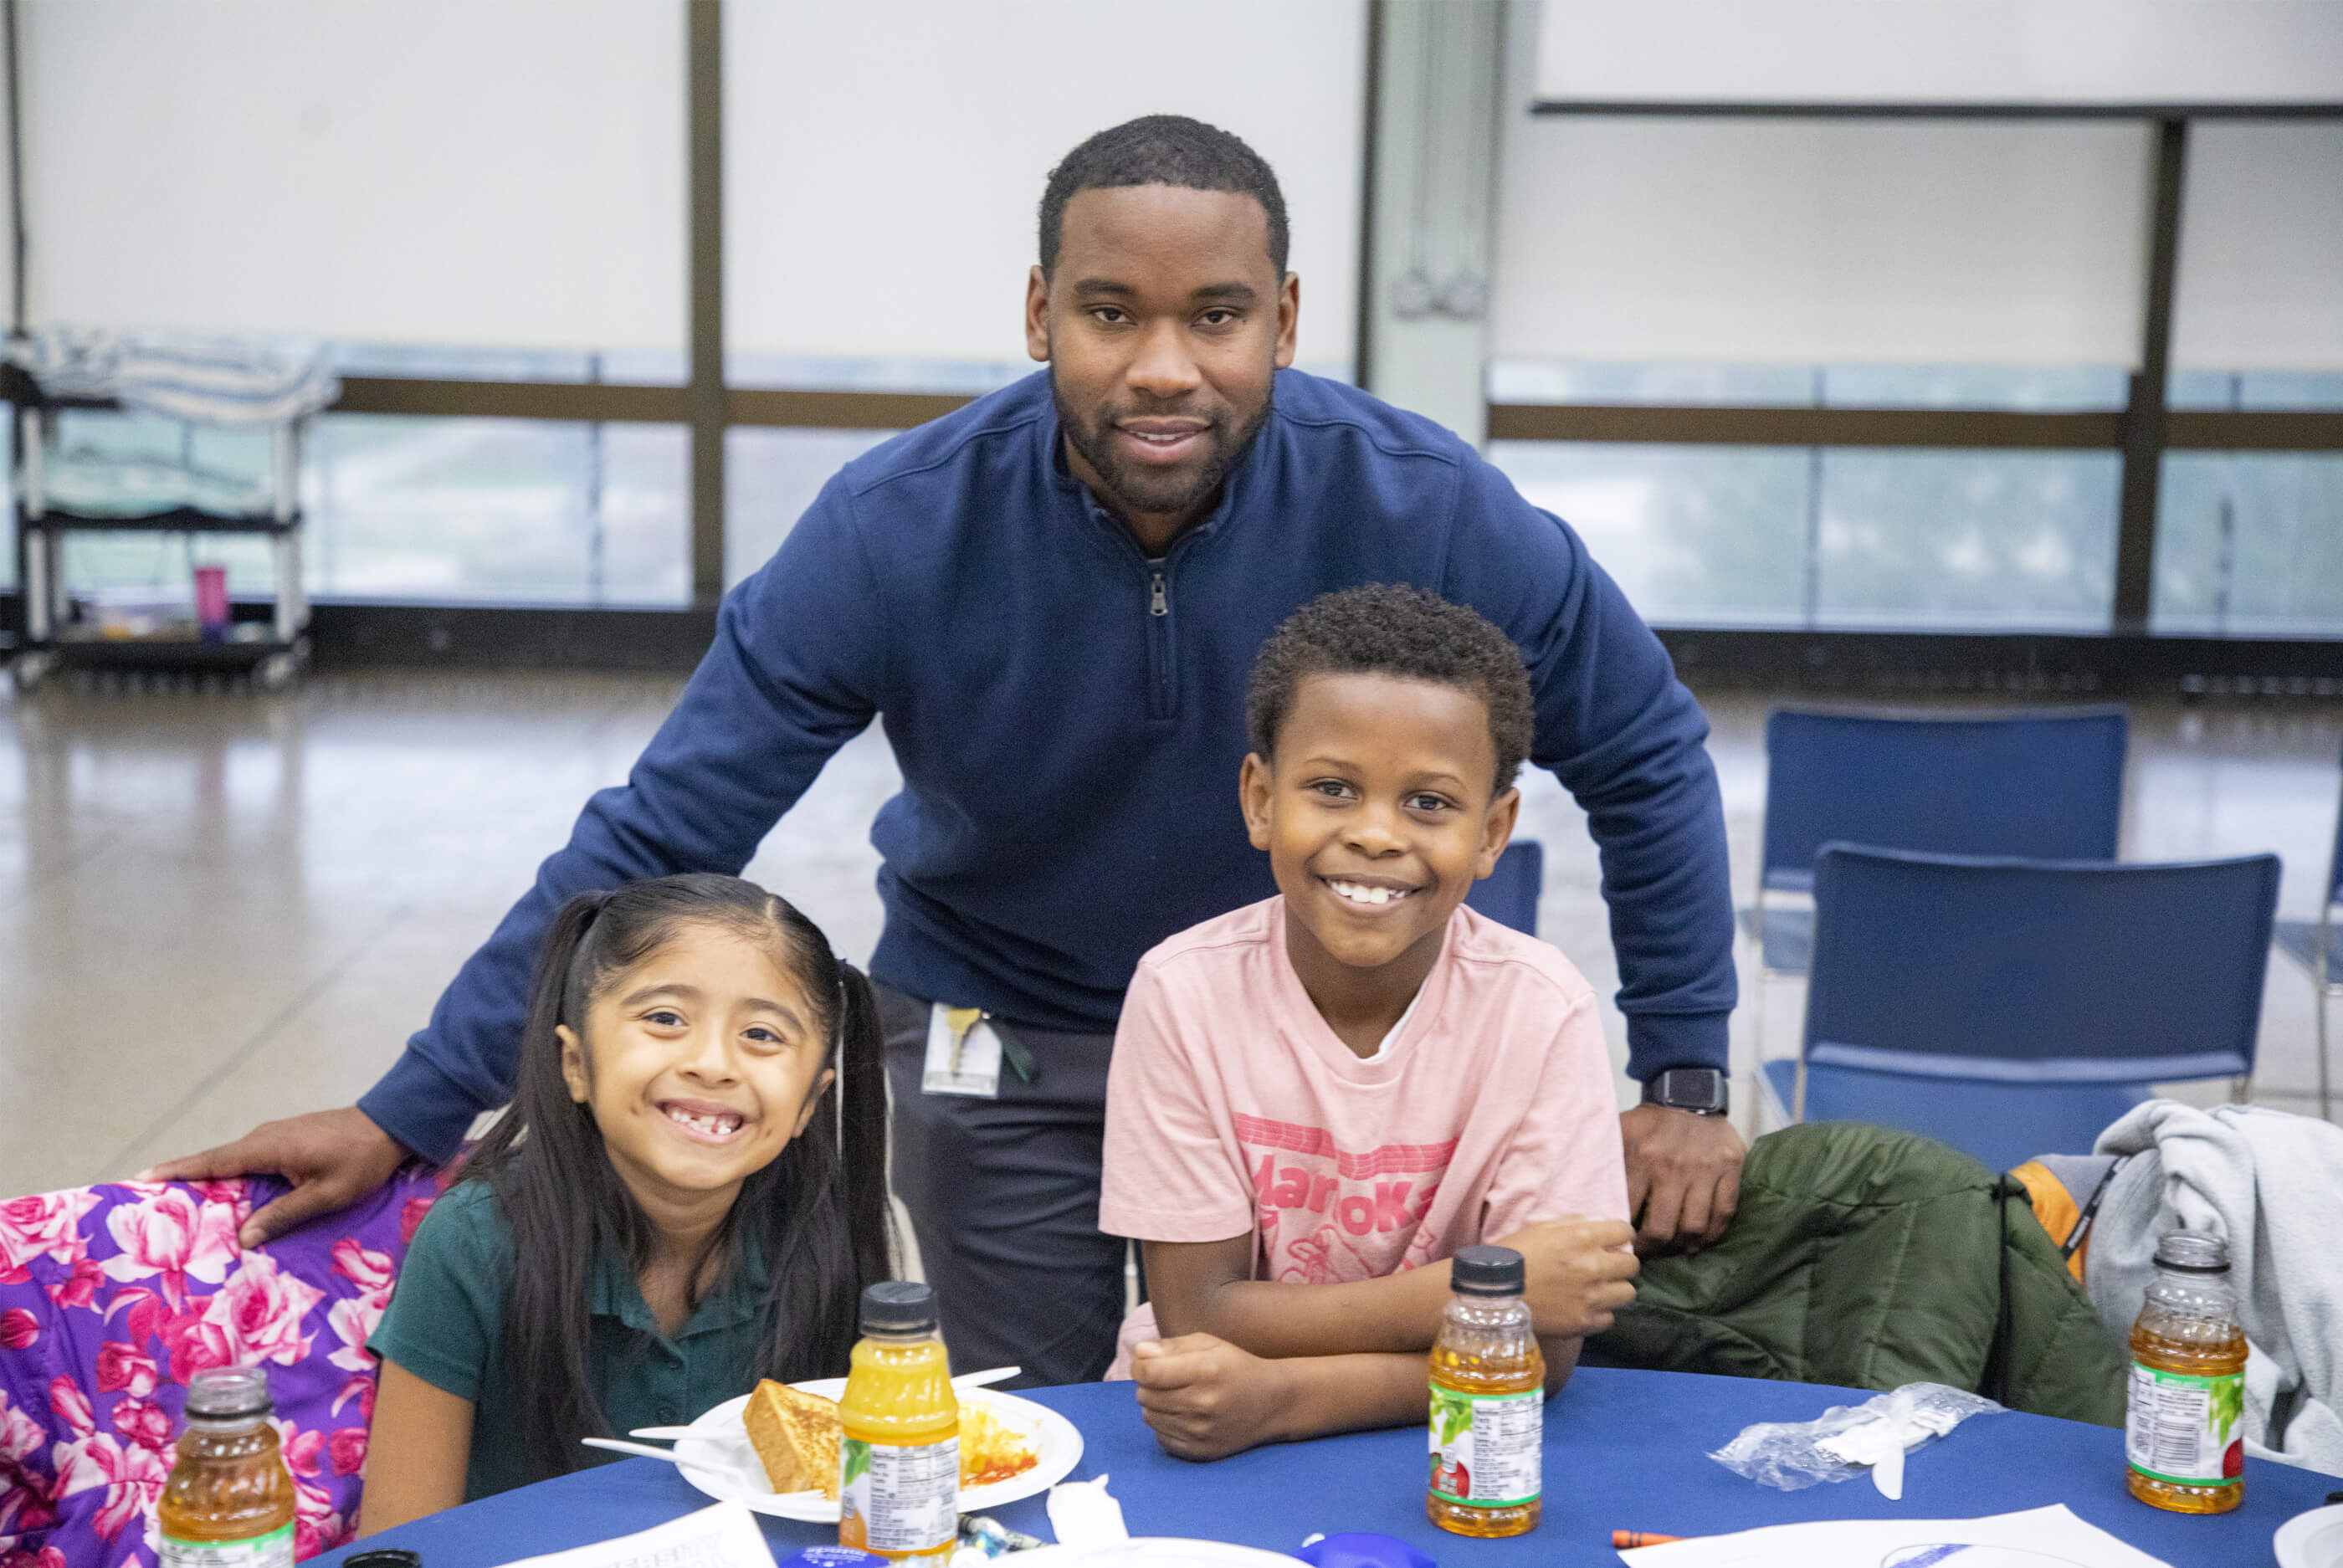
1576 1273
1207 1399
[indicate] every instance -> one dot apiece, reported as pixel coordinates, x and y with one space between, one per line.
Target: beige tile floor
218 907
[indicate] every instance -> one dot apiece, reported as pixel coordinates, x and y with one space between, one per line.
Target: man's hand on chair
333 1157
1683 1177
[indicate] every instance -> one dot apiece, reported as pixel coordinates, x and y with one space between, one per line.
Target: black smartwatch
1699 1089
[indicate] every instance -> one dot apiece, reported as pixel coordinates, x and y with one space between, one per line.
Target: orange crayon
1627 1540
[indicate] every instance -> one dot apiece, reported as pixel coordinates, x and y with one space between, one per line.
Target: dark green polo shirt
445 1325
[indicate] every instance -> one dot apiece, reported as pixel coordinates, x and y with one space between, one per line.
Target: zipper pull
1158 602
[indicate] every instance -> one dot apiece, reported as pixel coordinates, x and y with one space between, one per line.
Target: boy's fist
1205 1398
1578 1274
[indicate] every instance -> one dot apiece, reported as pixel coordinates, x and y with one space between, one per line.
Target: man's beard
1126 485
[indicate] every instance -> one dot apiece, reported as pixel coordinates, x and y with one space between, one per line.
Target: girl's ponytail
862 1127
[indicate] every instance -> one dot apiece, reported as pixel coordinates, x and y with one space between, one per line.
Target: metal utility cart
272 652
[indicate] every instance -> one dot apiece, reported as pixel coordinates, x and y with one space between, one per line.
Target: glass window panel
440 362
1838 537
1909 539
2041 389
1694 535
772 476
2249 544
164 565
508 510
2256 390
1682 383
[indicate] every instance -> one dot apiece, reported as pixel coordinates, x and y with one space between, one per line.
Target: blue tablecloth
1623 1450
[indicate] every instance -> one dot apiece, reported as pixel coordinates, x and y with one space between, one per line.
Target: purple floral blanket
112 1297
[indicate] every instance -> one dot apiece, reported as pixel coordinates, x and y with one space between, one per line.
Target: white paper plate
1154 1552
718 1458
2312 1540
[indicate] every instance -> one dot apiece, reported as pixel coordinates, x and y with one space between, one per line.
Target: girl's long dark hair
816 1221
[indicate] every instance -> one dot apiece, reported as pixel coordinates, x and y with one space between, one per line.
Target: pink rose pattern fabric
112 1297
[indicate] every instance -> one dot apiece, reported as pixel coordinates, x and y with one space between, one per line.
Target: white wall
2091 52
1813 241
2261 248
884 161
429 171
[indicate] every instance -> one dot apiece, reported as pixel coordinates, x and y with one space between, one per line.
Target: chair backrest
2047 783
2335 861
1509 895
2038 971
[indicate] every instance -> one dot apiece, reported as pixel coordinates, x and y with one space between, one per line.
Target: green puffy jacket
1872 1258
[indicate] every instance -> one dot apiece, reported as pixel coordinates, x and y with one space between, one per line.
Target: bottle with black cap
1488 1400
2184 1428
899 1454
229 1502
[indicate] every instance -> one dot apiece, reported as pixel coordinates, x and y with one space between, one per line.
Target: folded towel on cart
210 380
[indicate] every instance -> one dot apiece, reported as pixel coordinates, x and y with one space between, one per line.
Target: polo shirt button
669 1416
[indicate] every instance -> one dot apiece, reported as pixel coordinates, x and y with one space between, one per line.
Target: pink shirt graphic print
1233 1108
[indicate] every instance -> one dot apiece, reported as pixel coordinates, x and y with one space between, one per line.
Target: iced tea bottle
2184 1438
898 1453
229 1501
1488 1401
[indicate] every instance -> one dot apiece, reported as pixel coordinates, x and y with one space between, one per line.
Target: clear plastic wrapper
1847 1440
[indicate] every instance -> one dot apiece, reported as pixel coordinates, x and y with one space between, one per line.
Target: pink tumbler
211 602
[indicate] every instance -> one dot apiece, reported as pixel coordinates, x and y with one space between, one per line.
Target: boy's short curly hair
1389 628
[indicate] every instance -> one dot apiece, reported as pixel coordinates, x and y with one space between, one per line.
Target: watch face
1690 1089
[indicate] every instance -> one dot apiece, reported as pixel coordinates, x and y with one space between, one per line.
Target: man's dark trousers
1004 1198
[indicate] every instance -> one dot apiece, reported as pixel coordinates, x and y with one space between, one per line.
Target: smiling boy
1318 1099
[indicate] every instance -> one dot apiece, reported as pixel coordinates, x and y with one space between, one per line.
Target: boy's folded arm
1206 1287
1207 1399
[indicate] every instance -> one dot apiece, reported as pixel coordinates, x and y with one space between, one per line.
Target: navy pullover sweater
1069 720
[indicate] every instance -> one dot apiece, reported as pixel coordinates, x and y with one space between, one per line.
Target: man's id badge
963 1053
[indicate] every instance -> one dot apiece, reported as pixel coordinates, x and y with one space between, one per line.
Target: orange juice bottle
1488 1401
2184 1438
898 1460
229 1502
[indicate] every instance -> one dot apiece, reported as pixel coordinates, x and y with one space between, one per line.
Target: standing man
1054 596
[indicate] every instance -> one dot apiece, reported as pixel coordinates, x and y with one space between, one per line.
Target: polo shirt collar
615 1294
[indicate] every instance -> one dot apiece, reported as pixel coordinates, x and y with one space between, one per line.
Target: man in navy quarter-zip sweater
1053 596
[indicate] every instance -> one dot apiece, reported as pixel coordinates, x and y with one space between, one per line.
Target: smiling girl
687 1194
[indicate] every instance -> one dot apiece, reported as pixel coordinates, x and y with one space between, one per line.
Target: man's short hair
1385 629
1161 150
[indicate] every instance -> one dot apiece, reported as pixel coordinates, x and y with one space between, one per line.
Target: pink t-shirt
1231 1106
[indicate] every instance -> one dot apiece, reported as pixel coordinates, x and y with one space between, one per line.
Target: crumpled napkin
1083 1514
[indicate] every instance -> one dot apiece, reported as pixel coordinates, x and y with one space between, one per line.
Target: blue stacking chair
2047 783
2013 1007
2318 946
1509 895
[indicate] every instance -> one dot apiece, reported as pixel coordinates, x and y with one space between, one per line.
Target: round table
1623 1450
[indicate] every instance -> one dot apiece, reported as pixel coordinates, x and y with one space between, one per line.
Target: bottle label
904 1498
1487 1449
273 1550
2183 1429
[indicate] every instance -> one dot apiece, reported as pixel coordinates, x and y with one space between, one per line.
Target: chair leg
2241 1091
2326 1105
1798 1093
